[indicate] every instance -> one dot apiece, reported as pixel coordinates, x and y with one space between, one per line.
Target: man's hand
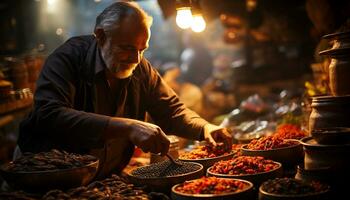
215 134
147 136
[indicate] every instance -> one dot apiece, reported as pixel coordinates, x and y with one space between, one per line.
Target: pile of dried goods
110 188
204 151
243 165
165 169
46 161
270 142
211 185
290 186
289 131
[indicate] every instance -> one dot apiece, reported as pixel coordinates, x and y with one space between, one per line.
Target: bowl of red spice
293 189
213 188
207 155
255 169
289 152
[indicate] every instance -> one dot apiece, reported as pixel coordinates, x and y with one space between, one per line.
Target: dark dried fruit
290 186
52 160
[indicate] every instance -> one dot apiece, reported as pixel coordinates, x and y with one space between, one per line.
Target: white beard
122 72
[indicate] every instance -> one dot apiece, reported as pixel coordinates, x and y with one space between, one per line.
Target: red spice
211 185
243 165
206 151
290 131
269 142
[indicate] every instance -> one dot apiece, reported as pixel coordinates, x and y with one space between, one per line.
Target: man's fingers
211 140
223 136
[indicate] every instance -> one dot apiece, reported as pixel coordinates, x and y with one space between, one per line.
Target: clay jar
329 111
339 68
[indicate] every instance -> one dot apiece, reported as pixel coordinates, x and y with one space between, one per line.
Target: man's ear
100 36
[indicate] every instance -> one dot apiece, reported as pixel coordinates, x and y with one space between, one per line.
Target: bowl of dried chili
293 189
255 169
213 188
49 170
288 152
207 155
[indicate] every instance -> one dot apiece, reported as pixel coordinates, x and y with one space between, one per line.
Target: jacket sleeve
54 99
169 112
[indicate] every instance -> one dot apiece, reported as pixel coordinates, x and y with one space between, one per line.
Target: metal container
329 111
339 68
318 156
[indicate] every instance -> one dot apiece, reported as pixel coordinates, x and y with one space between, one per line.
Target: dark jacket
64 114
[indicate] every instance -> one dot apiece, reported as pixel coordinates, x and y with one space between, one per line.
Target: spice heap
204 151
290 131
165 169
243 165
47 161
270 142
211 185
290 186
110 188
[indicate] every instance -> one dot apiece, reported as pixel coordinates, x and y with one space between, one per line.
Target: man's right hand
147 136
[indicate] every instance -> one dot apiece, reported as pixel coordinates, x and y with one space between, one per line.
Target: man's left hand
215 134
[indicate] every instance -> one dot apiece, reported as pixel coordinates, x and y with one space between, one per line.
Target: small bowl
208 162
256 179
332 135
50 179
246 194
321 195
287 156
164 184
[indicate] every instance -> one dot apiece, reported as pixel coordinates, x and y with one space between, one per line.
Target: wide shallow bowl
246 194
321 195
256 179
332 135
164 184
50 179
287 156
208 162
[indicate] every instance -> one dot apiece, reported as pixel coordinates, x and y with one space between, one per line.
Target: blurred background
242 56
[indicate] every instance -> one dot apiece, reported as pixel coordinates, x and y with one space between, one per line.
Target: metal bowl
256 179
287 156
164 184
51 179
208 162
246 194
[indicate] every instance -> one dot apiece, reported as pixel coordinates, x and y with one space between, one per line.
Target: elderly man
94 91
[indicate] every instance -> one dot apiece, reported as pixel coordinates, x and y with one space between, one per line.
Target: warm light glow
184 18
51 2
198 23
51 6
59 31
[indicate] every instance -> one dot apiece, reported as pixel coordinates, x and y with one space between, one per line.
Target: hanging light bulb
198 22
183 14
184 18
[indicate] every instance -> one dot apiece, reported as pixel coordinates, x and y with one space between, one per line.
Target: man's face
123 48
